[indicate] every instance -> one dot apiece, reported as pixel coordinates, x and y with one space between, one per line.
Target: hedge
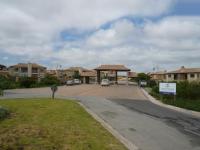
185 90
4 113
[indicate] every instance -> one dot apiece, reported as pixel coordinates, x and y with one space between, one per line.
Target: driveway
114 91
127 110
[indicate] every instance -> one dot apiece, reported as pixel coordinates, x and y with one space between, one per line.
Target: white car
77 81
105 82
69 82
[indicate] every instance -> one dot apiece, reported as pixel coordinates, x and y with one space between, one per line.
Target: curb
129 145
182 110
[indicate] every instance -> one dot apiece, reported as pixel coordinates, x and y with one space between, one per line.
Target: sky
141 34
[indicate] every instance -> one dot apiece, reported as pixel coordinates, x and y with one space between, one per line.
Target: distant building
3 70
27 70
158 76
2 67
88 76
60 74
184 74
132 75
73 70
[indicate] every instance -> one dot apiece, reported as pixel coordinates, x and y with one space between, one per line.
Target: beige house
27 70
72 70
184 74
158 76
59 74
132 75
88 76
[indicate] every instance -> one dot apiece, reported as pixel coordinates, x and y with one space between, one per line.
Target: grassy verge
44 124
179 102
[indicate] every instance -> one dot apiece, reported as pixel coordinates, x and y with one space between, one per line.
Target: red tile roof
132 74
88 74
185 70
112 67
34 65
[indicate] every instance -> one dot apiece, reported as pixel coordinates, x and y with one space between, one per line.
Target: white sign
168 88
143 83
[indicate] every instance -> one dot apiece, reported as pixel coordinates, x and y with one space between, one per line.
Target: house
2 67
3 70
184 74
70 72
158 76
59 74
88 76
27 70
132 75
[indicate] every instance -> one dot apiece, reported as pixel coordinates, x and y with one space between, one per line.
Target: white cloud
31 29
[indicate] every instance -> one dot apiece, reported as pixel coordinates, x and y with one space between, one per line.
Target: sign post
54 88
168 89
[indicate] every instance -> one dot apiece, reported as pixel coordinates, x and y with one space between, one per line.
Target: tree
76 75
49 80
7 83
143 76
27 82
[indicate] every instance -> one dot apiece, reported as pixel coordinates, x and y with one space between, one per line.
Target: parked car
105 82
70 82
77 81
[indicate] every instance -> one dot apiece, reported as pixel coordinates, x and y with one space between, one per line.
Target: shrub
3 113
76 75
27 82
152 83
7 83
142 77
49 80
184 90
1 92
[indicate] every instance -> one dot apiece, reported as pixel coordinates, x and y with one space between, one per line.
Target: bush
27 82
1 92
49 80
184 90
7 83
188 90
152 83
4 113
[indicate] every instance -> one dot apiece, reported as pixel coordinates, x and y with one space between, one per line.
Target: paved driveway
127 110
114 91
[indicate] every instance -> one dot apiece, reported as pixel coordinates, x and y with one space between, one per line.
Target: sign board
167 88
143 83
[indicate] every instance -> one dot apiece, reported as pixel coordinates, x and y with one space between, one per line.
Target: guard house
112 69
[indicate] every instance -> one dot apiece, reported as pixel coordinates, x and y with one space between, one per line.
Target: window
169 75
191 75
198 75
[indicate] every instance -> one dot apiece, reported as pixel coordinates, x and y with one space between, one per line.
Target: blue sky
141 34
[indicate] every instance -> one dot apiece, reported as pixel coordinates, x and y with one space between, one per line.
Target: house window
169 75
191 75
198 75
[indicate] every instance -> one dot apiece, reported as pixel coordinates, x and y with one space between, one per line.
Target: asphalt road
188 125
146 125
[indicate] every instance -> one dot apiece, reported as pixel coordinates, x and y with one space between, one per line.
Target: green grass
178 102
44 124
